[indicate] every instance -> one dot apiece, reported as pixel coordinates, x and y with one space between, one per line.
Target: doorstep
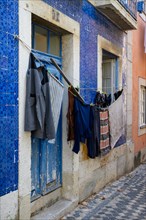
56 211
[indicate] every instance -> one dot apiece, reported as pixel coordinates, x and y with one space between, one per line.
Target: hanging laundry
86 128
93 143
38 111
116 118
102 100
104 132
117 94
82 128
56 97
70 115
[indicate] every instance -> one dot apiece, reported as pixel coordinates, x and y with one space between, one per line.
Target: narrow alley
123 199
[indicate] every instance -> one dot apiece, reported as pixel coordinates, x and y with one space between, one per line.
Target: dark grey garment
94 141
38 111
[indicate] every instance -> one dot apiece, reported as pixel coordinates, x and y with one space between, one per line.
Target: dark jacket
38 112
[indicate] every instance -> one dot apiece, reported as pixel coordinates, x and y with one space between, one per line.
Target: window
143 106
109 73
109 67
46 41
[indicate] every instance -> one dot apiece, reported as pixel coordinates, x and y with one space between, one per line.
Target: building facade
139 87
91 45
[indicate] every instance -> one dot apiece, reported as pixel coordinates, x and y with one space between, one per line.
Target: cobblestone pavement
123 199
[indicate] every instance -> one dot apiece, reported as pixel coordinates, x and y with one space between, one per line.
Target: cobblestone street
123 199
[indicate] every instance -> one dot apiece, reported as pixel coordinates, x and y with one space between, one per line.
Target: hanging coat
38 112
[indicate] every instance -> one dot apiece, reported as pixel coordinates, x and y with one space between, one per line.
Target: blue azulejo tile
4 62
12 128
3 111
2 150
12 179
2 187
10 146
12 87
3 50
16 144
12 6
3 87
12 65
3 38
12 99
12 75
3 24
12 28
3 128
11 111
16 157
3 75
3 99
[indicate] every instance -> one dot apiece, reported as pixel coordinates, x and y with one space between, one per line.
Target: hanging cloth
82 125
116 118
38 111
56 97
104 132
70 115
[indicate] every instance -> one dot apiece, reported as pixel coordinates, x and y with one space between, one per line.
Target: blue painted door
46 156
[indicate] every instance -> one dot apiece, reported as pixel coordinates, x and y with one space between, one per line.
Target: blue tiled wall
92 23
8 96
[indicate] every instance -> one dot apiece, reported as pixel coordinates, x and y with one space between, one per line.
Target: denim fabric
87 126
82 124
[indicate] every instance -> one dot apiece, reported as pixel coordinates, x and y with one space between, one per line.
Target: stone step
56 211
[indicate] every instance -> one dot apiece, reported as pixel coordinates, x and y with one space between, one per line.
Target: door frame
71 66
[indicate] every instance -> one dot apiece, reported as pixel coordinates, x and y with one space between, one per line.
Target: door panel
46 164
54 154
35 168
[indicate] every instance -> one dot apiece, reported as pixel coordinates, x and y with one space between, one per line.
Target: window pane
54 44
40 39
143 105
106 78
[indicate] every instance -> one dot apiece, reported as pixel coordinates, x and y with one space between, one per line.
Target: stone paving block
124 199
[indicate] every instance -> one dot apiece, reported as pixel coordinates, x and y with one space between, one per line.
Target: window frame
143 107
142 86
48 39
105 45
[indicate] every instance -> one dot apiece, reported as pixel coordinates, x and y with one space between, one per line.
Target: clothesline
95 89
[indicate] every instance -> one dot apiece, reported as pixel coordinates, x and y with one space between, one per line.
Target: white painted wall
9 206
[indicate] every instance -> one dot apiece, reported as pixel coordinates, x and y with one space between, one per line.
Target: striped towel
104 132
56 96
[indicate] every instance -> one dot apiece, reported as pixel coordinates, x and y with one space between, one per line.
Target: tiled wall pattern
92 23
8 96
